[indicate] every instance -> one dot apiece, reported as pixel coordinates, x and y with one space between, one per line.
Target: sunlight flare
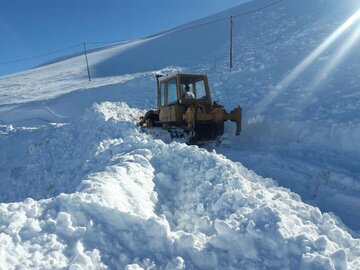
300 68
340 55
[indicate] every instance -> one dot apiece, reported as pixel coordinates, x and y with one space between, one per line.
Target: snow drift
134 200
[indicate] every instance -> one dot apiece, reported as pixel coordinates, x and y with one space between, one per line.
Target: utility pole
87 63
231 41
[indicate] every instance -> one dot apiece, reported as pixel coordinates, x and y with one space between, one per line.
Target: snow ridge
143 203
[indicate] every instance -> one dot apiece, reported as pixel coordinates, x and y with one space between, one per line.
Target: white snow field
83 187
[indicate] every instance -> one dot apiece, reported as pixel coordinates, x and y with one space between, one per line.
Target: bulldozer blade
236 116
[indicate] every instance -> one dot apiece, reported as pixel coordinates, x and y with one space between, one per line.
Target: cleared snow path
323 176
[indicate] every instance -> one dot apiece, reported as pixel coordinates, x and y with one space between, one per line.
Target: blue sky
31 28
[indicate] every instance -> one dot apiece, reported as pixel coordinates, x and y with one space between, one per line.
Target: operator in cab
188 94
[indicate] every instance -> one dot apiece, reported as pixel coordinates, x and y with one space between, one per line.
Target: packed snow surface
82 187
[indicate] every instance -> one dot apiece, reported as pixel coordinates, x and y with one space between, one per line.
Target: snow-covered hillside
81 186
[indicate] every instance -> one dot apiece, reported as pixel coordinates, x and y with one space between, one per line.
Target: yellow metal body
184 100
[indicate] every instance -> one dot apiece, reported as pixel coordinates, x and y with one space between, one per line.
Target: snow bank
322 134
137 203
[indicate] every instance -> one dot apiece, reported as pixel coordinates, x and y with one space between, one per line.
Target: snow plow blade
236 116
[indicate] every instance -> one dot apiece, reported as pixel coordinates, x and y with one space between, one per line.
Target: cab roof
174 74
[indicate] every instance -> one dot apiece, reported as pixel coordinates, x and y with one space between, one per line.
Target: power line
259 9
192 26
149 36
223 18
41 55
108 42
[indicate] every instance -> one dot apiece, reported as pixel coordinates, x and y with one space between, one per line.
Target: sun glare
303 65
339 56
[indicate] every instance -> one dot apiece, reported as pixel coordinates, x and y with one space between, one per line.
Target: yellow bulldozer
184 102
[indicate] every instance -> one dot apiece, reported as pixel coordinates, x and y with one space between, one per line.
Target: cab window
193 88
172 92
200 89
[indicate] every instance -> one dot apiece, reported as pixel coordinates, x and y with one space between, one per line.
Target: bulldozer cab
183 89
